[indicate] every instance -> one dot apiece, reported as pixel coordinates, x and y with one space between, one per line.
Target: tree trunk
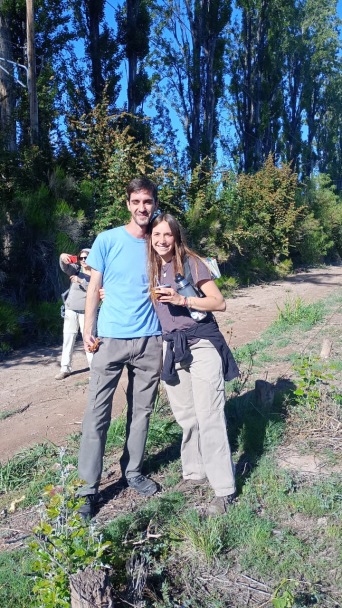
132 55
32 79
91 589
7 84
248 109
94 14
195 20
260 41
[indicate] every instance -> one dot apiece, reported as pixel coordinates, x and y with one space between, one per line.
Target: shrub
263 211
9 323
311 241
227 285
46 320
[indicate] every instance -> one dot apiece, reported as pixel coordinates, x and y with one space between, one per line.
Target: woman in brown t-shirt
197 390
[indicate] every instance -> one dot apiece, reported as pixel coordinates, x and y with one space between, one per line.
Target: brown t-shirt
177 318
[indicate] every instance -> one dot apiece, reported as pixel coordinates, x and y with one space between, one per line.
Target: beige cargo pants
197 400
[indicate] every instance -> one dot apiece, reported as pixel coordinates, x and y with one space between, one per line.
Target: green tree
189 42
134 23
264 212
101 48
256 75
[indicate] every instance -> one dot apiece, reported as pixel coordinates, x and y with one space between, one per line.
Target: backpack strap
189 277
198 290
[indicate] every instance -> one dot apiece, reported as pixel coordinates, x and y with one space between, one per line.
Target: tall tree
321 36
94 13
101 47
135 34
256 75
31 70
7 82
284 62
189 42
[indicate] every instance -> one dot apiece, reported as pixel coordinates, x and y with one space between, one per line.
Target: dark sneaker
186 485
143 485
87 510
220 504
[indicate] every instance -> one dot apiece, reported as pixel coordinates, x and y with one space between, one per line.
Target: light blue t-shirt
127 310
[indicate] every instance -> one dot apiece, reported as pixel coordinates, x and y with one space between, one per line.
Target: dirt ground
54 409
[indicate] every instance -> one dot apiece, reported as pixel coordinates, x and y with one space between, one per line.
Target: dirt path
54 409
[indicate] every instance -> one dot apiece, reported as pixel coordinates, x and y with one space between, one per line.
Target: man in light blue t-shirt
130 335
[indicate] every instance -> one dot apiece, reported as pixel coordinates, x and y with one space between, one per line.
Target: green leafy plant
310 381
62 545
283 596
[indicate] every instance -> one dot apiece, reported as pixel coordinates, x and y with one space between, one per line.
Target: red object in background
73 259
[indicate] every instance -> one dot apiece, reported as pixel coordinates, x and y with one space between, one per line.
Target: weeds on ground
206 537
16 581
29 471
297 312
7 413
315 409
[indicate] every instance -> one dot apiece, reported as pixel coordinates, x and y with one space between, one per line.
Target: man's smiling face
142 207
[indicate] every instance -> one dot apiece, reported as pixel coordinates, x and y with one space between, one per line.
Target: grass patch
247 352
7 414
163 429
206 537
15 586
296 312
29 471
82 382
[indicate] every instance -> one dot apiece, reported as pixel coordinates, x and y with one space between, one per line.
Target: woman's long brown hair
181 250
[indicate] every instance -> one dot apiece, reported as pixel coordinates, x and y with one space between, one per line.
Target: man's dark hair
142 183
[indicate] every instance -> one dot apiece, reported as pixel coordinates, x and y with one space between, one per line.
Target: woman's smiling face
163 241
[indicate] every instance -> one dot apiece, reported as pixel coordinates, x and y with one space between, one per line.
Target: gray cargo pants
143 358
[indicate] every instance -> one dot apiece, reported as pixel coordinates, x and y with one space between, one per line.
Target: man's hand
88 341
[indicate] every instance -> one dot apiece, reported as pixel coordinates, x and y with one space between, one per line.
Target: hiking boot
62 375
87 511
186 485
220 504
143 485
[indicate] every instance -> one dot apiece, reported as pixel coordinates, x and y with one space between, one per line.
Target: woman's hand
65 257
167 295
74 279
102 294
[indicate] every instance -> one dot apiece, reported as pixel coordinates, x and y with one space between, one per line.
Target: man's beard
142 221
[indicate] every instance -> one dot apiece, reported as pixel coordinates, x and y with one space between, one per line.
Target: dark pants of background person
143 358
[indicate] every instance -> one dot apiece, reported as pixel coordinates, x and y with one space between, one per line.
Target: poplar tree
189 43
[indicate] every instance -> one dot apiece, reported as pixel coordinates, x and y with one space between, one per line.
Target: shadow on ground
252 429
